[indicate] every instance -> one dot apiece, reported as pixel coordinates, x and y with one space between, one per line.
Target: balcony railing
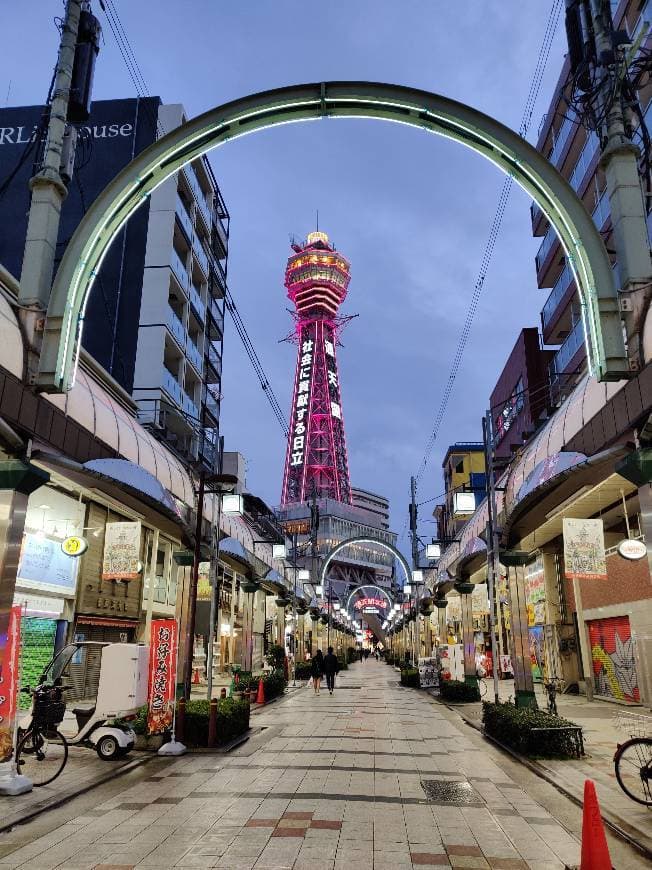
584 161
200 256
561 286
196 302
176 327
602 211
172 386
215 357
184 217
574 340
218 314
544 248
193 181
562 138
194 355
190 407
179 269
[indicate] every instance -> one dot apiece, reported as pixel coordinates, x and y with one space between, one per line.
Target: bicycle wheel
633 762
483 687
42 755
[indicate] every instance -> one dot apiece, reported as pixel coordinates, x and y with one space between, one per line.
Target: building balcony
545 247
218 279
200 257
212 397
556 302
216 321
214 368
200 198
171 386
560 363
189 406
193 354
179 270
197 304
184 219
176 327
602 212
585 162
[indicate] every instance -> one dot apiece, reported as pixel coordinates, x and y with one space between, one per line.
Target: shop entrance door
613 657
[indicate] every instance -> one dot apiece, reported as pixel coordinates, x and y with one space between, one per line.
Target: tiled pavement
333 783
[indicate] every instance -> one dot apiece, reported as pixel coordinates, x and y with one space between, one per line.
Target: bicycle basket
49 709
633 724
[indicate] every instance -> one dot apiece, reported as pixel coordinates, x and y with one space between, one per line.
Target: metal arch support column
579 237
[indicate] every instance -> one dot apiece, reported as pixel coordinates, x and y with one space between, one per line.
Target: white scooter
122 689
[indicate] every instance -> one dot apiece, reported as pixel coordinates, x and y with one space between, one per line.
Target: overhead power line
535 85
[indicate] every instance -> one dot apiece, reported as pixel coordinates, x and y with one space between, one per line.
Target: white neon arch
363 540
579 237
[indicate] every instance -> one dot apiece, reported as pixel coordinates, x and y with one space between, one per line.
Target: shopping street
324 783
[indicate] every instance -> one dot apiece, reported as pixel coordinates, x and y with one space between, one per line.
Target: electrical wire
535 85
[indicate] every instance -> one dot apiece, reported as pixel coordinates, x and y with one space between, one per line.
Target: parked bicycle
633 759
553 688
42 750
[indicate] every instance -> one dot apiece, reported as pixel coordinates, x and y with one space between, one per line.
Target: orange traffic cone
260 697
595 852
195 677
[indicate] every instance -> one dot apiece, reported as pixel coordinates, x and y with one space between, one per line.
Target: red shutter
613 654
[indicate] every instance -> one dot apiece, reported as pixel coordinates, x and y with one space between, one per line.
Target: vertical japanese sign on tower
162 675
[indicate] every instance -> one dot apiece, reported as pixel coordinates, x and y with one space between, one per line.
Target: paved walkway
602 733
372 778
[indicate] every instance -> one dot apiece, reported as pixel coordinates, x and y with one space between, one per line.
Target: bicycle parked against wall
633 759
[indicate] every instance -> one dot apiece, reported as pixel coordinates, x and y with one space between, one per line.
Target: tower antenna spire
317 220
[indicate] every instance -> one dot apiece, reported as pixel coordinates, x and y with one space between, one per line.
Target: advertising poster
584 556
535 636
9 677
121 551
428 673
162 675
44 565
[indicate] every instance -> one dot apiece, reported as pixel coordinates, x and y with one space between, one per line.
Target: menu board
44 566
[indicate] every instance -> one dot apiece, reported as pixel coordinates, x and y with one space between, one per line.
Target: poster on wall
121 551
613 655
44 566
428 673
584 556
9 676
162 675
535 636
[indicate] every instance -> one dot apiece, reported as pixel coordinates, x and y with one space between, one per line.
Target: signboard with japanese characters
9 675
302 406
121 551
162 675
584 555
45 567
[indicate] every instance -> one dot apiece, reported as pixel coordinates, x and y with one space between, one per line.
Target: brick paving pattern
333 783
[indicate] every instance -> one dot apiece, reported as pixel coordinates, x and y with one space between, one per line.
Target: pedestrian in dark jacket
331 668
361 652
317 670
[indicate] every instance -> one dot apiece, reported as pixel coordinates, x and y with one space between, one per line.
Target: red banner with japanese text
9 677
162 675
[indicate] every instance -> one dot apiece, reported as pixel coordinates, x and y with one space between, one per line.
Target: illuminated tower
316 278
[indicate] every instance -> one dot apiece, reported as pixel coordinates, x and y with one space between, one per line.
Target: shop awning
137 478
232 550
106 621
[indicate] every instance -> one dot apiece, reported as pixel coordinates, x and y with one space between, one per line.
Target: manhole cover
457 793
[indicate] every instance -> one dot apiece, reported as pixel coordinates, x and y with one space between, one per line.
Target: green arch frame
516 157
363 539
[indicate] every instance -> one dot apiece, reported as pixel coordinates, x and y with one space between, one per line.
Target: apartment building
374 504
464 484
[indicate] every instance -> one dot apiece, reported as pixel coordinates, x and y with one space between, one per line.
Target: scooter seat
83 711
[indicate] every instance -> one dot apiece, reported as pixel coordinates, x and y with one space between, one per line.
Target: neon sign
370 602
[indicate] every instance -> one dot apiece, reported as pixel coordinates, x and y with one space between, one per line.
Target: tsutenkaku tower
316 278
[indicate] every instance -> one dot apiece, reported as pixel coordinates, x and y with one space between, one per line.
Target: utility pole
48 191
493 553
415 558
594 44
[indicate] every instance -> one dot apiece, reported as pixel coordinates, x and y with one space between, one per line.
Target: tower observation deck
317 278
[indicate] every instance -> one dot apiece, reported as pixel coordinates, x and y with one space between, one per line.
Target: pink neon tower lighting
316 278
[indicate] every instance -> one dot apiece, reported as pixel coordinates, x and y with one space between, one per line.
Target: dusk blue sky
411 211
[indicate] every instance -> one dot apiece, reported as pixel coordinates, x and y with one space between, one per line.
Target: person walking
361 651
317 670
331 668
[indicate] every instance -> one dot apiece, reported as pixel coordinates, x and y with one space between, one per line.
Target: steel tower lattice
316 278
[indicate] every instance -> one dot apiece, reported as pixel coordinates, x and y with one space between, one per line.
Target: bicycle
42 750
633 759
552 689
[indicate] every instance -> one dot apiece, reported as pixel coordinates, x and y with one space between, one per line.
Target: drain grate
458 793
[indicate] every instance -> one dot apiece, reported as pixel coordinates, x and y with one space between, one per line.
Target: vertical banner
9 684
162 673
121 551
584 556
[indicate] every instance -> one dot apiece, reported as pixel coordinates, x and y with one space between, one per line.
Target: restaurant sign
162 675
584 555
121 551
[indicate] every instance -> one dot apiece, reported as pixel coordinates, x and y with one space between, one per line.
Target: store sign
374 603
584 555
39 605
44 566
9 677
162 675
631 549
74 545
121 551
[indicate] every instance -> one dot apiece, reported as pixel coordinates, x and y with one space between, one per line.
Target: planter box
149 742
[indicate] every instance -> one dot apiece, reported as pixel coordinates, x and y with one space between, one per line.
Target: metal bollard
181 720
212 723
